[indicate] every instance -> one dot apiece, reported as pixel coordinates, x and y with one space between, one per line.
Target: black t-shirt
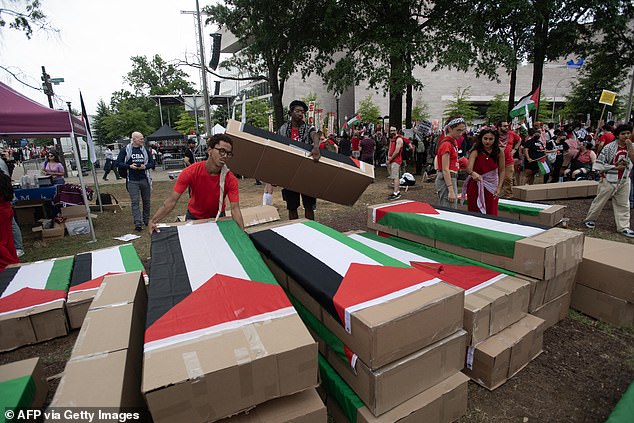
535 148
190 155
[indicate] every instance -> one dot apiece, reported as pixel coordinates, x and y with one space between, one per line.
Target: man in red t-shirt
509 142
607 136
394 160
204 180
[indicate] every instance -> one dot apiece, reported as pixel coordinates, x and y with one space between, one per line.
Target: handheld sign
607 97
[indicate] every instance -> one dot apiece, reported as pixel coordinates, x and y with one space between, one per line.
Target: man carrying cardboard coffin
209 183
299 130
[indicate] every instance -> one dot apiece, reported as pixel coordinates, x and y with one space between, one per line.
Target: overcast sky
95 42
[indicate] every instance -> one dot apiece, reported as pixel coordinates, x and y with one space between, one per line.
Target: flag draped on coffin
520 207
90 268
465 229
341 274
17 393
34 284
207 278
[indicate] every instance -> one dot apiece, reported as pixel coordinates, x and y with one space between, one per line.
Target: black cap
296 103
191 141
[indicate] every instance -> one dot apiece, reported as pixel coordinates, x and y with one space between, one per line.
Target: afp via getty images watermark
76 415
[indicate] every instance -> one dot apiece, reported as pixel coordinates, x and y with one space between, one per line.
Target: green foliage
545 109
124 122
157 77
258 112
498 109
597 75
369 111
460 106
99 131
310 97
420 111
187 122
23 15
220 115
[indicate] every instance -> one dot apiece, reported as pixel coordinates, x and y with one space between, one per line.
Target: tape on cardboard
192 366
256 347
470 354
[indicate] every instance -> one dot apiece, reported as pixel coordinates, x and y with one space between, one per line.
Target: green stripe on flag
59 278
513 208
432 253
348 401
322 331
472 237
130 258
16 393
245 252
377 256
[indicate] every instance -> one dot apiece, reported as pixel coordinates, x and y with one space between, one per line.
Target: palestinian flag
521 207
90 268
469 275
34 284
354 120
341 274
488 234
207 278
527 104
543 167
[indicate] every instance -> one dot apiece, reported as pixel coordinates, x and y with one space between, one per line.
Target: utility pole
47 85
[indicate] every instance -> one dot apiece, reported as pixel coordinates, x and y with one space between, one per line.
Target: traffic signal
47 86
215 50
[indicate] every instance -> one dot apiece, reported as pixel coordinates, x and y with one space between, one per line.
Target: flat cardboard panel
218 375
554 310
387 387
608 267
560 285
33 367
15 331
602 306
50 321
302 407
257 215
118 289
77 312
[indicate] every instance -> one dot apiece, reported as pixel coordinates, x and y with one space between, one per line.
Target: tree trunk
277 91
396 93
540 47
512 90
408 95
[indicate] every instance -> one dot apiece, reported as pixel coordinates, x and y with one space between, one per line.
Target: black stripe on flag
168 273
82 269
498 218
6 276
288 141
319 280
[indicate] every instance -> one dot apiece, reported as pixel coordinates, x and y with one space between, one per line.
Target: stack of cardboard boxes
605 282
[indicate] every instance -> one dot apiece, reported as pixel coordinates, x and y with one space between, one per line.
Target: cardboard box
556 191
31 394
546 290
284 162
33 325
105 380
548 216
602 306
554 311
608 267
302 407
445 402
389 331
492 362
57 231
27 212
385 388
77 227
257 215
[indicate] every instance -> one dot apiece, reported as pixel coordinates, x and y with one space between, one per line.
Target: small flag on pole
92 154
543 167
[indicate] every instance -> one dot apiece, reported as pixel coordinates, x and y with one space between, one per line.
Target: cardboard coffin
602 306
521 247
257 215
281 161
88 273
608 267
493 300
22 384
444 402
32 302
302 407
494 361
555 310
556 191
221 336
379 307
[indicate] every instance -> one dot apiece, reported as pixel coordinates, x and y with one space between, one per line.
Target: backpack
107 199
407 180
407 149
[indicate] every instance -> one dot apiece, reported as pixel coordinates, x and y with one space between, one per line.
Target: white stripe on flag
331 252
523 204
33 275
485 284
61 301
376 208
207 253
105 261
194 335
403 256
385 298
484 223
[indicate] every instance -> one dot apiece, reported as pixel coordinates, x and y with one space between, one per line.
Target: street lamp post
337 102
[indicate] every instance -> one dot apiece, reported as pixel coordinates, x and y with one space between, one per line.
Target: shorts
395 169
292 200
531 166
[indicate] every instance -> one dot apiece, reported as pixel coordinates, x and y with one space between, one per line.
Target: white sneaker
20 253
628 233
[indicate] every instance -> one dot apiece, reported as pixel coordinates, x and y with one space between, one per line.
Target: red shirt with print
447 145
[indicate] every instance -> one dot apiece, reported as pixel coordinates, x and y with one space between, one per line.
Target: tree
99 131
369 111
420 111
125 121
460 106
498 109
186 123
220 115
258 112
23 15
157 77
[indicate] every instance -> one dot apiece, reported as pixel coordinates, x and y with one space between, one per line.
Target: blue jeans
17 235
632 190
140 191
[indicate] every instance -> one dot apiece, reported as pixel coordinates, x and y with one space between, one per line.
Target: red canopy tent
21 117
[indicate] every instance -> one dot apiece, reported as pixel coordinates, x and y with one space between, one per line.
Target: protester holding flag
209 183
534 156
486 173
615 164
447 162
559 145
299 130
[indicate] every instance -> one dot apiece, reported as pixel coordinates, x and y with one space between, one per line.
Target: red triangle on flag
465 277
408 207
220 300
535 97
91 284
29 297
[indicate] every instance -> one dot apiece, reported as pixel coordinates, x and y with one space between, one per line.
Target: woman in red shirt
447 162
486 173
8 254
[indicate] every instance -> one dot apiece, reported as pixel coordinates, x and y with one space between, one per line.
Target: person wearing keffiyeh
486 173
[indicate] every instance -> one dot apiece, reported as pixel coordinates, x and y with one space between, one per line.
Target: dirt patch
584 369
